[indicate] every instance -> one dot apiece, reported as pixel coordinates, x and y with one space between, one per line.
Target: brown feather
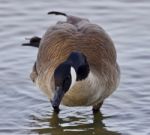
77 34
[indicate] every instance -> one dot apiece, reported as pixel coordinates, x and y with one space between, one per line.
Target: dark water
25 110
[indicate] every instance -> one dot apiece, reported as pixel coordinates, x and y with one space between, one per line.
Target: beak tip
56 109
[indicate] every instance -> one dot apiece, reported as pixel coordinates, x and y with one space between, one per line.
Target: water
26 110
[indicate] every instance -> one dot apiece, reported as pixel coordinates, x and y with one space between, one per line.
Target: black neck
79 62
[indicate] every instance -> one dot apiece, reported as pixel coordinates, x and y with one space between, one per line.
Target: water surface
26 110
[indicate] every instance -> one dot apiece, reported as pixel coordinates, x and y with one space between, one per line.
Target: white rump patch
73 76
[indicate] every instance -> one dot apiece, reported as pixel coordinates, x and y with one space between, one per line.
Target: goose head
75 68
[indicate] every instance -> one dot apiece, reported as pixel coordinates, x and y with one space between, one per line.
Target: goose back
77 34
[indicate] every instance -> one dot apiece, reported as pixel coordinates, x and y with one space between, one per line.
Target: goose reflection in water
64 126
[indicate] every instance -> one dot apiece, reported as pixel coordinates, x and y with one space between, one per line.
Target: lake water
26 110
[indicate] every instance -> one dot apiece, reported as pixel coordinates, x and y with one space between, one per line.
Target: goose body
77 35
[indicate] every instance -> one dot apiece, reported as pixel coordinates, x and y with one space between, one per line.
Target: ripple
26 110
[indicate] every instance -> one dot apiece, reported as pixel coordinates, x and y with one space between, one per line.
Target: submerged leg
97 107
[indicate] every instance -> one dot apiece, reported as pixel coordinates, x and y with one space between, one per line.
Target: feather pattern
78 34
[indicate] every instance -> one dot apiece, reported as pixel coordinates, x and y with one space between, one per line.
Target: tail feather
57 13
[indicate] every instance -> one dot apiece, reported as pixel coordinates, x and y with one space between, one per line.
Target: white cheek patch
73 77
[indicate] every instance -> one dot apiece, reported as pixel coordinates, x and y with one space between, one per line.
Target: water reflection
59 126
126 21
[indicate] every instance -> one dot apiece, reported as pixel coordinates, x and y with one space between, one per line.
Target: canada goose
34 41
76 64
